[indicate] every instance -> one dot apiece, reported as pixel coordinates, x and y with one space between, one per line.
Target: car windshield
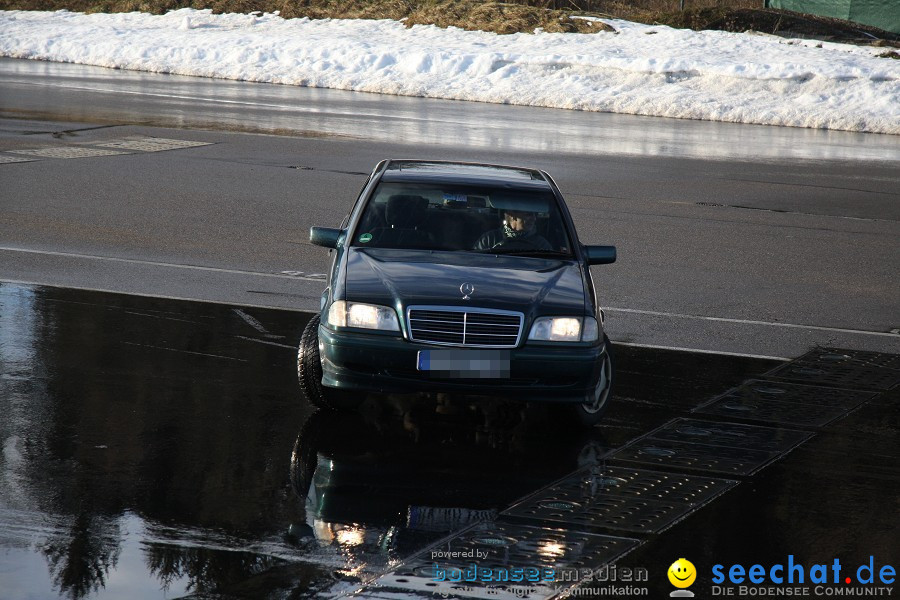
436 216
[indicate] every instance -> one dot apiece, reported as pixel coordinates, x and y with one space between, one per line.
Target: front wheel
309 374
591 411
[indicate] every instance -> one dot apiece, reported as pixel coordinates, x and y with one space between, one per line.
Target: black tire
304 457
309 374
591 412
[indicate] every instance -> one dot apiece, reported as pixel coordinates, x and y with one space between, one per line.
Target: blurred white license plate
476 363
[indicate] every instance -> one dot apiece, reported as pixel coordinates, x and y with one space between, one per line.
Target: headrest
405 210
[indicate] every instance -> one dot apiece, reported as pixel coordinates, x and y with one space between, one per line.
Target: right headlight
564 329
365 316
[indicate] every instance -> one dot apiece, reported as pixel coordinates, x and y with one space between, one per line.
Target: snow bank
640 69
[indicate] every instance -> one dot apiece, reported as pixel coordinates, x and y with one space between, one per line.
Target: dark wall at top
884 14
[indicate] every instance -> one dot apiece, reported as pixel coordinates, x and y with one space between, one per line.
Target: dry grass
510 16
499 17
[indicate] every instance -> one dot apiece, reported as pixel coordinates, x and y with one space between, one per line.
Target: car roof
435 170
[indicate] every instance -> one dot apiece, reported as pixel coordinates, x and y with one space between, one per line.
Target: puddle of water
42 569
138 463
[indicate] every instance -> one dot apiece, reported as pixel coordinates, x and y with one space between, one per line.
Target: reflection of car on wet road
377 487
458 278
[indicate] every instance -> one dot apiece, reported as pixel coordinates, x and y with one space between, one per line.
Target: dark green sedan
463 279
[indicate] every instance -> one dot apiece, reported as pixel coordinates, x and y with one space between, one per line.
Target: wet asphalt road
156 448
45 90
732 238
160 448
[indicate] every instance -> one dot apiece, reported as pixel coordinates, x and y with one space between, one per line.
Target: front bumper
387 364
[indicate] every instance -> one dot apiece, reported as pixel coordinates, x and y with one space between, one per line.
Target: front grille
462 326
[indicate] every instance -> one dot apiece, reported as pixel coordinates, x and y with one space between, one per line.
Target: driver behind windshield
519 230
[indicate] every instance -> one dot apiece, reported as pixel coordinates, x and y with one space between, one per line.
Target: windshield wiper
536 253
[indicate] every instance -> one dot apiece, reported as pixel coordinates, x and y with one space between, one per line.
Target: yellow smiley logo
682 573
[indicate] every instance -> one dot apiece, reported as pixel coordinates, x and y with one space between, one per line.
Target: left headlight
365 316
564 329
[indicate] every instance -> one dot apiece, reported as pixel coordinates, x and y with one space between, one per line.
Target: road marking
145 262
153 144
184 351
751 322
6 159
305 275
255 324
251 321
68 152
698 351
165 317
87 288
250 339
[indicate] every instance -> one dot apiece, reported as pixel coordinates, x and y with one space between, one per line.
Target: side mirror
327 237
600 255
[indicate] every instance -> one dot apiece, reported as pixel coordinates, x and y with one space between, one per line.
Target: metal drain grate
152 144
5 158
506 548
862 358
622 498
843 368
731 435
787 403
716 459
729 448
68 152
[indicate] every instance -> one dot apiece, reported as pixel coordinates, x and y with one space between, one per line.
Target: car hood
402 278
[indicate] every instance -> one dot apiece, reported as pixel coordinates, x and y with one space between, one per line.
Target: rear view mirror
600 255
327 237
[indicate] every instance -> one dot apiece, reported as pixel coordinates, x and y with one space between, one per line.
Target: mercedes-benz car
458 278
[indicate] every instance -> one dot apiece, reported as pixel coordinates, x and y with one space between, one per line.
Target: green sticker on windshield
365 238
